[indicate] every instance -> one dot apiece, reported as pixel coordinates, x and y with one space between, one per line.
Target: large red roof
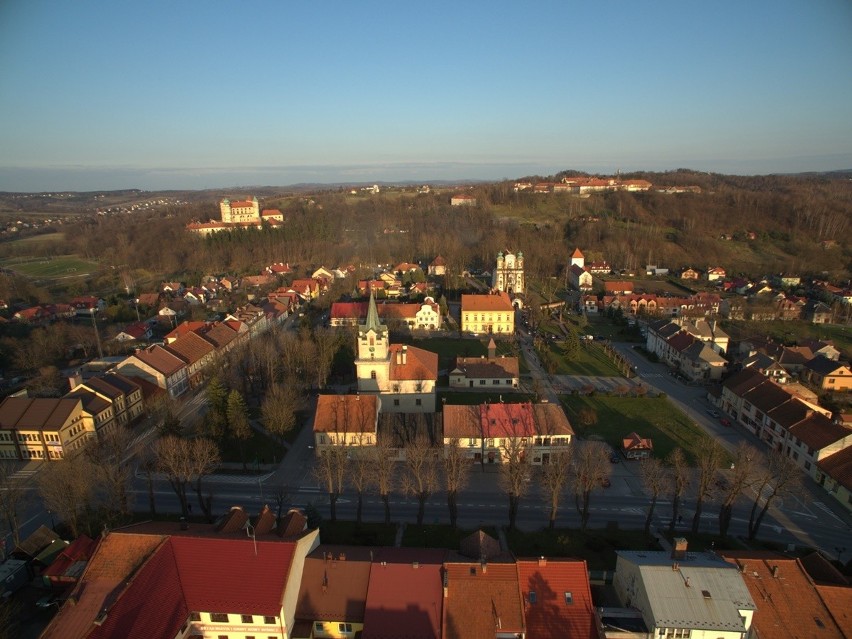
548 613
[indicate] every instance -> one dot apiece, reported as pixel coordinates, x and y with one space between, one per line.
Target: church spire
373 322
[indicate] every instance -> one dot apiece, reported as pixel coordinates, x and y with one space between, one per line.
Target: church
403 376
508 276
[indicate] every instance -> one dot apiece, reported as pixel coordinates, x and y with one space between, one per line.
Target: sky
191 94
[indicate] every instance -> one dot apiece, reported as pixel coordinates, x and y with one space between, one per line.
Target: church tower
372 365
509 273
577 259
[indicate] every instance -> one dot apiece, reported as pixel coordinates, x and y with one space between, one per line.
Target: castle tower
225 210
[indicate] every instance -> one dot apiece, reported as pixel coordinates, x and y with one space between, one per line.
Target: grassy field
468 399
52 267
589 359
650 417
38 239
448 349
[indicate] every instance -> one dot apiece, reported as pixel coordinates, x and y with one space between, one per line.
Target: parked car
614 458
714 414
725 422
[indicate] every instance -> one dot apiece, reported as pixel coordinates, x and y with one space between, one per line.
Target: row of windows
341 627
223 617
495 382
488 318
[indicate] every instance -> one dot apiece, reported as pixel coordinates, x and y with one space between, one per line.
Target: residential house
279 269
580 278
689 274
487 431
590 304
88 305
834 474
491 314
818 313
308 289
491 373
123 393
346 420
136 331
174 288
767 365
462 200
684 594
184 328
196 352
220 334
149 300
618 287
789 604
158 366
827 374
557 598
437 267
714 274
636 447
42 428
148 585
258 281
333 593
482 599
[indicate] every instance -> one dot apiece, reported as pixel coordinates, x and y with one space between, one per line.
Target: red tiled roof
190 347
334 584
550 616
346 414
220 586
507 420
461 421
839 467
26 412
481 600
499 302
838 600
419 364
788 604
81 549
160 359
405 583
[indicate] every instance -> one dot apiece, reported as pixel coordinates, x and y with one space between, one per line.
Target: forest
752 226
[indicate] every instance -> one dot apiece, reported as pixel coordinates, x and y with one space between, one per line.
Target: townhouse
491 373
43 428
486 431
490 314
159 367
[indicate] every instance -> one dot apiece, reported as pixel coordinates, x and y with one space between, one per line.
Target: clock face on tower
372 348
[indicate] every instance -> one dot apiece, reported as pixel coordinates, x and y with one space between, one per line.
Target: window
495 382
247 618
219 617
418 402
482 382
396 402
344 627
372 374
569 598
195 616
318 626
532 597
223 636
269 620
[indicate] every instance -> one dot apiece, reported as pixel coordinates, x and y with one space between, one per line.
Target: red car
725 421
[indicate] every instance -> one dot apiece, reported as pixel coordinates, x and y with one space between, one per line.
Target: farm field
61 266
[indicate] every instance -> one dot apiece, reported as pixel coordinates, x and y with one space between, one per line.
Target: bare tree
421 480
554 479
112 460
148 465
655 480
11 495
281 494
184 461
780 476
678 482
742 477
456 474
330 470
66 487
591 467
360 475
279 408
587 416
205 459
327 342
515 473
384 472
710 455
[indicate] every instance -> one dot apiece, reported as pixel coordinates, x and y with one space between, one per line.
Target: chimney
743 566
686 582
542 561
404 353
775 571
399 357
415 564
679 548
76 379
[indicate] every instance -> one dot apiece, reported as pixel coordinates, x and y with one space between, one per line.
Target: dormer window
532 597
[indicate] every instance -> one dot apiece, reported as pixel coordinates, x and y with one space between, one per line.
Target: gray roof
705 592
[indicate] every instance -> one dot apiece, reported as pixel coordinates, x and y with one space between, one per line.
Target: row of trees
577 471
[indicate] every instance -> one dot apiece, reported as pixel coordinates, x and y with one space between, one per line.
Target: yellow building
43 428
488 314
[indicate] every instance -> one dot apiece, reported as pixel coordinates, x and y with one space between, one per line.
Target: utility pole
97 335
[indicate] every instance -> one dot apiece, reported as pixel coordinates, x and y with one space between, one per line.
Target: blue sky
113 94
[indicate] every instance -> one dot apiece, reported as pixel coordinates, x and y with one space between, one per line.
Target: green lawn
653 417
448 349
589 359
52 267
